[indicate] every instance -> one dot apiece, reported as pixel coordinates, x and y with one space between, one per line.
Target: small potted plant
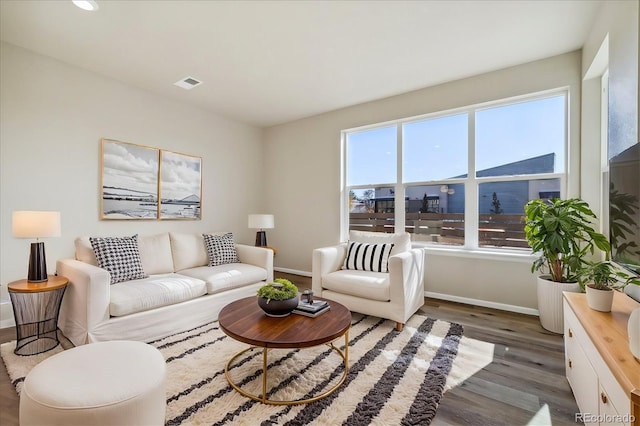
561 231
279 298
599 279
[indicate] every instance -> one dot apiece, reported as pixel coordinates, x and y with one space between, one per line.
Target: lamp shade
261 221
35 224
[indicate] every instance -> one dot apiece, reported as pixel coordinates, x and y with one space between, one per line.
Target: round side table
35 308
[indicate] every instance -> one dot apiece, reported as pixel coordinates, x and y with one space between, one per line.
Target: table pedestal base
263 398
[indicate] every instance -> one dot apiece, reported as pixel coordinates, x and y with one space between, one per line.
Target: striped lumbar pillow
367 257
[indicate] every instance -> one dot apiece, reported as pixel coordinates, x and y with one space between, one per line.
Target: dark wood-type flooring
525 383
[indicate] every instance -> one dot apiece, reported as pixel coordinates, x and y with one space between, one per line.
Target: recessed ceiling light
188 83
89 5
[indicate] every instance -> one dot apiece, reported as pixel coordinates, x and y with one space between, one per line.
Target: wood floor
525 383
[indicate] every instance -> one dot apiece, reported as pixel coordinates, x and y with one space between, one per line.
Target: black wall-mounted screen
624 208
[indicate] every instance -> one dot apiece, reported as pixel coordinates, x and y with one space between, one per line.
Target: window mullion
344 193
471 189
399 215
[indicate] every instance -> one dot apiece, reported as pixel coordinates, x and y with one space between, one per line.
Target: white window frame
471 182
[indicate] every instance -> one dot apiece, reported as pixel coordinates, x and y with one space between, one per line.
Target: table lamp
36 224
261 222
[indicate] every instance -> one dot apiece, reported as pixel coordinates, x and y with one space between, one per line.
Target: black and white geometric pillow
221 249
120 256
367 257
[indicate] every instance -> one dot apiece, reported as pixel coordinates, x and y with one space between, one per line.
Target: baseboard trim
5 306
483 303
293 271
7 323
442 296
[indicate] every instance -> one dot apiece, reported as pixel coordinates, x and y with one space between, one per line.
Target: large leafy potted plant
279 298
600 279
561 231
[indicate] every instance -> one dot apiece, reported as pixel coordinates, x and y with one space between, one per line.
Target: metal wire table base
263 398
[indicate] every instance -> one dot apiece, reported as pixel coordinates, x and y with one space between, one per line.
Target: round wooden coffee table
243 320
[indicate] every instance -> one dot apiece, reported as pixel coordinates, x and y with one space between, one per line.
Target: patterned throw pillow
120 256
221 249
367 257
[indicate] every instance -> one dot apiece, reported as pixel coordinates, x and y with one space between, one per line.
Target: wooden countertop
609 334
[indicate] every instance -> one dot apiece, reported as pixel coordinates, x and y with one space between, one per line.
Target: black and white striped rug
394 377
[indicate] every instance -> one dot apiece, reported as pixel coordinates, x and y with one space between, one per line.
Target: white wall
52 117
619 21
303 178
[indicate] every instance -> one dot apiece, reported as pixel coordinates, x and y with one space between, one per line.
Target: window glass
435 149
372 209
519 155
501 207
435 213
371 156
522 138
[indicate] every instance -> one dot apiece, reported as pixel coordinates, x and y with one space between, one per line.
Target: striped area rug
393 378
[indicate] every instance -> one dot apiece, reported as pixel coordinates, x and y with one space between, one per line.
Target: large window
464 176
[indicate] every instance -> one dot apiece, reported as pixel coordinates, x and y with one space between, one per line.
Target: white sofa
395 295
181 291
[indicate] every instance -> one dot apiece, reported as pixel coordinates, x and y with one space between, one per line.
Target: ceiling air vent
188 83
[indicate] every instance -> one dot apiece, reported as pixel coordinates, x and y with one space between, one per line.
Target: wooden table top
243 320
23 286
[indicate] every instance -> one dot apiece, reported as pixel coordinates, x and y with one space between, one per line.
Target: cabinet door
580 374
608 413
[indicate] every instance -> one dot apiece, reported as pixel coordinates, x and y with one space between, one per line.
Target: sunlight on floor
542 417
473 356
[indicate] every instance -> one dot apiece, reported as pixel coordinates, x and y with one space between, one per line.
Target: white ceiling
269 62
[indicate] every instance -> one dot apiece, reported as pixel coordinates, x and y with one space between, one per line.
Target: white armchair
395 295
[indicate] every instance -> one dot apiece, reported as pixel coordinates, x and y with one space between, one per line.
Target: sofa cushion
120 256
367 257
220 249
228 276
400 240
363 284
84 251
157 290
155 253
188 250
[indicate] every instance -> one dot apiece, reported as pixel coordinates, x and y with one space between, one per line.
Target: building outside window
464 176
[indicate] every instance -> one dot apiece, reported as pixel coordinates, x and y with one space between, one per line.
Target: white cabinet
603 374
580 374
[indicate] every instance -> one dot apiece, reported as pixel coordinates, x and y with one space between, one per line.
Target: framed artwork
129 181
180 186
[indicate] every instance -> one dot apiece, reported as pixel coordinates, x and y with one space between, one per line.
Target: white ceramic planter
550 302
600 300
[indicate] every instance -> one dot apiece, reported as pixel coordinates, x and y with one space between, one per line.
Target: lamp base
261 239
37 264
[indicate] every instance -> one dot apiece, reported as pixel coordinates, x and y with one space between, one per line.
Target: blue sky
436 149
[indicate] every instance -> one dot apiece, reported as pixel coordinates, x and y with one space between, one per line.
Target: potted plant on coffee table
279 298
562 232
600 279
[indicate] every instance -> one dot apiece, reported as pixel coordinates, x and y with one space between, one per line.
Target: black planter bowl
278 308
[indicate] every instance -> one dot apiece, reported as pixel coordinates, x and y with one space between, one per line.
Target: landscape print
129 181
180 186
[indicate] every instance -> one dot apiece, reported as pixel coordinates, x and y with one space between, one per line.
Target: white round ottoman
106 383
